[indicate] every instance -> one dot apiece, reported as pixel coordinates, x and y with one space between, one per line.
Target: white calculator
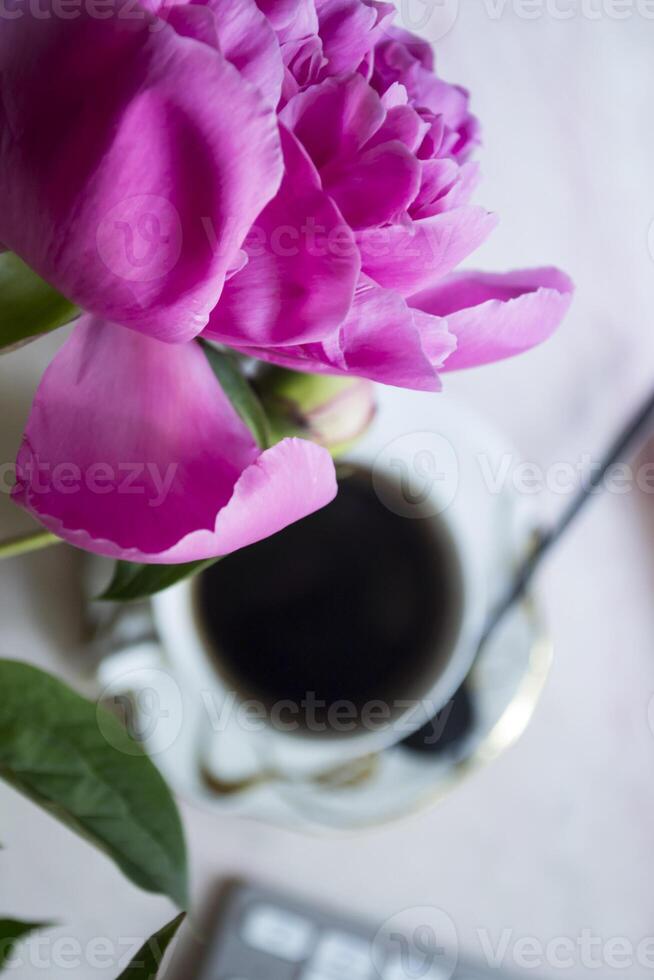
263 935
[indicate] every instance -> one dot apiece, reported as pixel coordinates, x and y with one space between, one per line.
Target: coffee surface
353 603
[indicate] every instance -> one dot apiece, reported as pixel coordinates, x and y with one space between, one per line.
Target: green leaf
28 305
239 391
132 581
11 931
77 761
147 961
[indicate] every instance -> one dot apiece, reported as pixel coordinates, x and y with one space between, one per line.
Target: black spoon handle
634 430
545 540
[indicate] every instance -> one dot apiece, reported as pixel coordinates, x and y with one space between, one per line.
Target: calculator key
341 955
278 933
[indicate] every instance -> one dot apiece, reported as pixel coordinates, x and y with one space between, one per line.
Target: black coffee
353 603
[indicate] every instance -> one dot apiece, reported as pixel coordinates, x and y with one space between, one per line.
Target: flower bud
331 410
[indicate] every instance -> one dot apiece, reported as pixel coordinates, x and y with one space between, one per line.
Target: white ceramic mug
417 469
187 715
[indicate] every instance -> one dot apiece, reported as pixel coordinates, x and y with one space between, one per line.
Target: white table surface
557 837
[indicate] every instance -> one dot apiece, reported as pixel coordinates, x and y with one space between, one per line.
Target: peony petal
445 186
302 23
497 316
303 266
132 450
132 163
349 30
375 186
402 58
437 341
339 123
333 120
303 61
394 96
189 20
396 62
417 47
438 177
282 13
402 123
236 28
247 39
288 482
410 258
381 340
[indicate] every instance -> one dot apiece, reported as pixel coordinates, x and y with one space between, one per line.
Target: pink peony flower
133 451
391 143
287 177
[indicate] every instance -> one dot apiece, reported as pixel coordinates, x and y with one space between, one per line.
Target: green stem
22 545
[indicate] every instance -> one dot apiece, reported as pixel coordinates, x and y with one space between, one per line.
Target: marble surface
556 839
